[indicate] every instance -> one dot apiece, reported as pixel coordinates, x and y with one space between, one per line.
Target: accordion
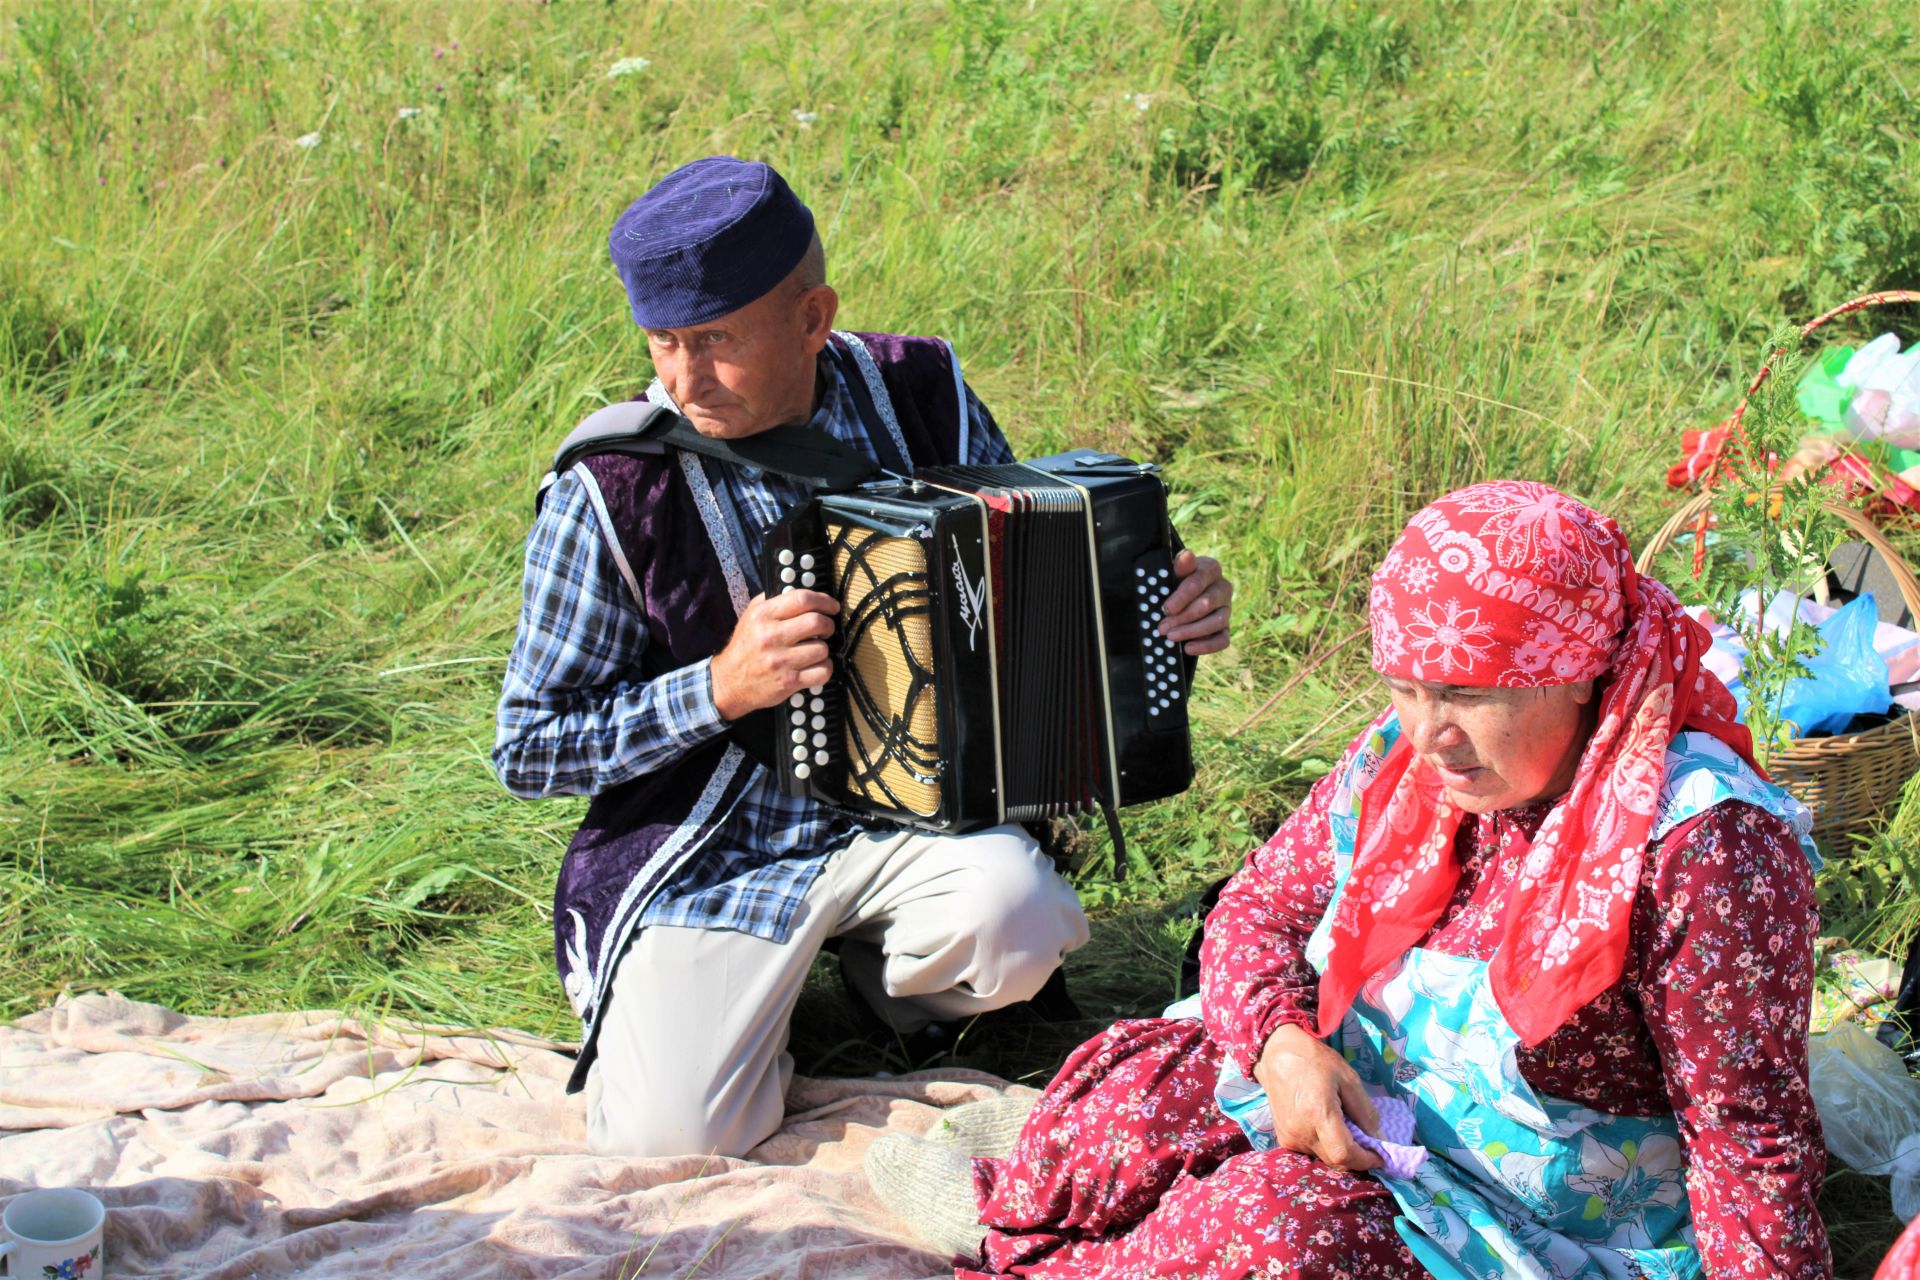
997 656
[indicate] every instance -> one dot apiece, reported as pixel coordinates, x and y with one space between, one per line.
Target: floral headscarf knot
1512 584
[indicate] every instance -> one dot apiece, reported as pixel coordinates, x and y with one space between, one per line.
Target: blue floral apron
1516 1183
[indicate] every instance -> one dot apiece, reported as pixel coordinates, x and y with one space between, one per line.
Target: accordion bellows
996 657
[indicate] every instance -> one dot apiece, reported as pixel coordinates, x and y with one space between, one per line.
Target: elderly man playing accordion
697 894
1521 989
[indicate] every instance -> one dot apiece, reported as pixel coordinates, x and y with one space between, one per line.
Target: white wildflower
627 67
806 118
1140 100
307 141
407 113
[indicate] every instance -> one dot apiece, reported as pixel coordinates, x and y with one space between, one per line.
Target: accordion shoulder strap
802 453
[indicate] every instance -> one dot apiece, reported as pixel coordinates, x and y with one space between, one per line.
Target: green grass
271 414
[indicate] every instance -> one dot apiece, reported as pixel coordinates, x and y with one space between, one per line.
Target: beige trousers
693 1043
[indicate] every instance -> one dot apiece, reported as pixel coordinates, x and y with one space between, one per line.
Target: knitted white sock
928 1186
987 1127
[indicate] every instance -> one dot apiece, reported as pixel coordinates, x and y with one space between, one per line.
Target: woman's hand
1313 1092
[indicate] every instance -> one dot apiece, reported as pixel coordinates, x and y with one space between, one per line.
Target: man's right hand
779 647
1313 1091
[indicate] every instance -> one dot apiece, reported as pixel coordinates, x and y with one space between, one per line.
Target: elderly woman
1547 914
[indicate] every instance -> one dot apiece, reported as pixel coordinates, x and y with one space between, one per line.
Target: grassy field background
296 300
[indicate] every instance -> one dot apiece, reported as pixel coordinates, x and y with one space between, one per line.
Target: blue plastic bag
1845 679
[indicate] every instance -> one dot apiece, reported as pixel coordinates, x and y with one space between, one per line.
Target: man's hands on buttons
1200 608
779 647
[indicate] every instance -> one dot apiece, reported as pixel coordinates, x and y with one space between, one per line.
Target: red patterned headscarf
1512 584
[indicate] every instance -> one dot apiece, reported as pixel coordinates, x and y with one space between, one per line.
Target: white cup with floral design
53 1235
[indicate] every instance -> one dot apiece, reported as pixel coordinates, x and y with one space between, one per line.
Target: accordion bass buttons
795 557
1159 656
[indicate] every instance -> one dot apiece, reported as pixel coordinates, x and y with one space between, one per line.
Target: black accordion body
997 656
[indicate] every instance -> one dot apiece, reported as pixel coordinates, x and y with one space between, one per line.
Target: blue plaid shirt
575 720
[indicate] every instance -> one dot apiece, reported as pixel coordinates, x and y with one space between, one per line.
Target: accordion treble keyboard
997 654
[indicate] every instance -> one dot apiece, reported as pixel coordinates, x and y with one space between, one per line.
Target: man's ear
818 306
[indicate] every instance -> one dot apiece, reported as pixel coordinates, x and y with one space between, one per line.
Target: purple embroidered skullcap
709 238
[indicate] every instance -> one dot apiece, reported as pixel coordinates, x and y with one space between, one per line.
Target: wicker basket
1849 779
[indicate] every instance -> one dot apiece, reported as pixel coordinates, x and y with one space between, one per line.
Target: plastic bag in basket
1846 678
1870 1109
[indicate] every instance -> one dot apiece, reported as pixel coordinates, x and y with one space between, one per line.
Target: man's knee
1023 917
677 1115
644 1135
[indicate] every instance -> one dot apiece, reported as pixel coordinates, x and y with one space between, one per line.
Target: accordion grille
892 727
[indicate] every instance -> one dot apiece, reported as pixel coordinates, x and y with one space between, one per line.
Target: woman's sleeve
1254 974
1724 927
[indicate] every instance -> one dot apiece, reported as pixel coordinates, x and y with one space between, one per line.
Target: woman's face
1495 748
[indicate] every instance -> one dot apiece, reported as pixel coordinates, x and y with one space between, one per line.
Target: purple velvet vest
673 539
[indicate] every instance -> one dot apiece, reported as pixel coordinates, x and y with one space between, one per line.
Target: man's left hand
1198 611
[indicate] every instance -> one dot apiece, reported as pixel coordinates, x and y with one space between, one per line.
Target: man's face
750 369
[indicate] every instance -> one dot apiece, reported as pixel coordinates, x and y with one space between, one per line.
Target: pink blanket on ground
312 1144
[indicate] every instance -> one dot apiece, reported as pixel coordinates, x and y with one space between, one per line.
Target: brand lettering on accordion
972 597
1075 703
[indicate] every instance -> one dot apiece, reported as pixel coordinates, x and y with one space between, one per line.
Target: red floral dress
1128 1168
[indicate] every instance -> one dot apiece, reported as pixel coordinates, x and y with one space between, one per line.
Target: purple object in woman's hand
1400 1156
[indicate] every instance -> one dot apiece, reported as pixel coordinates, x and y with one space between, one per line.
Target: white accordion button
821 757
807 579
799 753
819 739
806 562
801 770
799 735
817 703
786 575
819 722
815 690
797 700
785 557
